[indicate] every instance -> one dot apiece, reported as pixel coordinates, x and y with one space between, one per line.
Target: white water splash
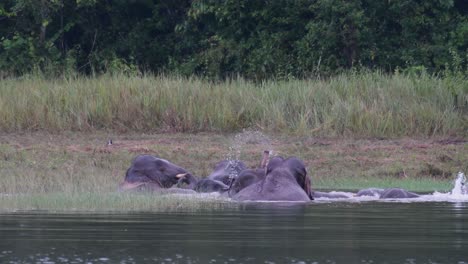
247 137
459 194
459 187
239 143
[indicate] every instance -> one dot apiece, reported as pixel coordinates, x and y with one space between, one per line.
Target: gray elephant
220 179
329 195
224 171
246 178
150 173
397 193
370 192
285 180
208 185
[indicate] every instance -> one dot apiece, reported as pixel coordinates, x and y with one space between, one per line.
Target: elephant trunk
265 159
308 187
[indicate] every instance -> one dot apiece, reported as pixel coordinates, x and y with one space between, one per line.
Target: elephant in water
397 193
330 195
370 192
246 178
225 170
285 180
208 185
390 193
220 179
150 173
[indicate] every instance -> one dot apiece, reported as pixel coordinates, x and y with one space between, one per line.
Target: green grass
354 104
427 185
110 202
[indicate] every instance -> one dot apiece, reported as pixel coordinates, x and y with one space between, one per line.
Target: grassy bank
77 171
363 105
109 202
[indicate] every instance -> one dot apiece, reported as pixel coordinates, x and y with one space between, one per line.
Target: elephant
329 195
246 178
224 171
397 193
220 179
150 173
250 176
285 180
208 185
370 192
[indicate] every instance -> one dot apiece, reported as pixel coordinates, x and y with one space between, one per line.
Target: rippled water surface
338 232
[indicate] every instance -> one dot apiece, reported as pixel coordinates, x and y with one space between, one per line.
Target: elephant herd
276 179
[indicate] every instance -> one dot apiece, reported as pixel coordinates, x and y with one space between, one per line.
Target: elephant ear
308 188
304 181
299 171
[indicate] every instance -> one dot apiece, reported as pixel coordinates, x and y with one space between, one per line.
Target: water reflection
366 232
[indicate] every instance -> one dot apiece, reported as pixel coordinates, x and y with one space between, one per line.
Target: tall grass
364 104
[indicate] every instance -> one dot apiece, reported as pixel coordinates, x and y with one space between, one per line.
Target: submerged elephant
225 170
150 173
217 181
246 178
397 193
330 195
370 192
390 193
220 179
285 180
208 185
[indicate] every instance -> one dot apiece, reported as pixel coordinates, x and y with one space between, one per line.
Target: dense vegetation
328 67
352 104
252 38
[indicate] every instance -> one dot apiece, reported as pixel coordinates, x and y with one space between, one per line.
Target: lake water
320 232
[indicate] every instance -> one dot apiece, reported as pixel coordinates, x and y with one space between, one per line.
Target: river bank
73 163
41 157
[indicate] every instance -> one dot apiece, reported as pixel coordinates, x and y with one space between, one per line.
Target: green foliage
256 39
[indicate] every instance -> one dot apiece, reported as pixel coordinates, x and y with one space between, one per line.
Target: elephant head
219 180
155 172
246 178
250 176
208 185
285 180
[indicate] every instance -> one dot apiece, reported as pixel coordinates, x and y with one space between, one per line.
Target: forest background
255 39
